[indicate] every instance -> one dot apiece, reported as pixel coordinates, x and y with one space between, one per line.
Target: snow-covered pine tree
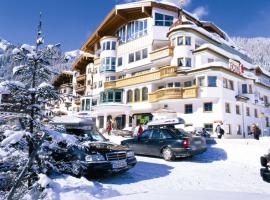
30 91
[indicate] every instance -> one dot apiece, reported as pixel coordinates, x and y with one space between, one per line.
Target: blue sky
70 22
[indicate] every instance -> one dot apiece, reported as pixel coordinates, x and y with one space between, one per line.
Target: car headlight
130 154
94 157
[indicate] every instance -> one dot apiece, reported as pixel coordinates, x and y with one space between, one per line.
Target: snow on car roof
73 120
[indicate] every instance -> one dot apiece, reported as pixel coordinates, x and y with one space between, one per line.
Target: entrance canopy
112 109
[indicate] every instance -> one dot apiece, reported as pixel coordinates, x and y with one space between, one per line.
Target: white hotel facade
146 57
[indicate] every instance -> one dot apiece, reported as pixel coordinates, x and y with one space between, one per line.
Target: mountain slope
258 49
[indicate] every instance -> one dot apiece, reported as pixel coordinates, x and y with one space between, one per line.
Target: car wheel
167 154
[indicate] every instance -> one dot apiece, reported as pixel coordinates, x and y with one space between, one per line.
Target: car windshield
92 135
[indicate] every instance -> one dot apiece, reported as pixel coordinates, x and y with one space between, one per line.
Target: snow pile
43 180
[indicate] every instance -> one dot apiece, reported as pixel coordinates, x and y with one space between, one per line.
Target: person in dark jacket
255 131
219 131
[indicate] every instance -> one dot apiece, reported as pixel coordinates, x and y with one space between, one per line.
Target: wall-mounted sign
236 66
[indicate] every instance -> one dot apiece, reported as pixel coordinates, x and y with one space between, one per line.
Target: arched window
137 95
145 94
129 96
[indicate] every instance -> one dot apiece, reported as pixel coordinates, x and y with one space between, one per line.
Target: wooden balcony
173 93
169 71
80 89
161 53
81 78
97 61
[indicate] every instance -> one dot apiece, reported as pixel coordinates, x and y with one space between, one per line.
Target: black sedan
166 143
265 171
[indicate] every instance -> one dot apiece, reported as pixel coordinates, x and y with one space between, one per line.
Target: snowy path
228 170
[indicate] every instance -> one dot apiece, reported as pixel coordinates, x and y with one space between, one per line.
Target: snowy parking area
230 169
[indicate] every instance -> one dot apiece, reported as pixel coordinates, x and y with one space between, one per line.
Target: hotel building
149 56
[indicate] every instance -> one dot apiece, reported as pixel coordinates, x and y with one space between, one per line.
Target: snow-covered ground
228 170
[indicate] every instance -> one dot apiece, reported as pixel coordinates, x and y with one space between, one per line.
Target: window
201 81
146 134
188 40
267 121
209 127
173 42
209 60
165 134
177 84
145 94
88 82
180 40
229 128
244 89
231 85
87 107
188 62
237 109
104 46
108 45
94 102
100 84
180 62
156 134
113 45
110 96
250 89
131 57
227 108
188 109
265 99
121 33
163 20
138 55
225 83
129 96
118 96
136 29
255 113
239 131
208 107
101 121
144 53
247 111
119 61
107 64
188 84
83 103
170 84
212 81
137 95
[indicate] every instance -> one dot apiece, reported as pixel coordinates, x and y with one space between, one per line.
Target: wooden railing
161 53
149 76
80 88
81 78
173 93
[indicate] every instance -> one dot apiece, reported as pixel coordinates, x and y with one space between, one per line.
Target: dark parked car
265 162
92 156
168 143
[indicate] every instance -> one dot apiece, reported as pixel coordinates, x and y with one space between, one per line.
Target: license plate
119 164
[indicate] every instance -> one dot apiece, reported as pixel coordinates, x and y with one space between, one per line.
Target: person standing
140 130
219 131
255 131
109 126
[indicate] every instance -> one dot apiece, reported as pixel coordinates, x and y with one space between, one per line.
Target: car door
140 146
155 142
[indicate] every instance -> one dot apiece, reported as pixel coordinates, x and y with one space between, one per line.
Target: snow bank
43 180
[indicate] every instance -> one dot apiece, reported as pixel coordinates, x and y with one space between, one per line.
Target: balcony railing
150 76
161 53
173 93
80 88
81 78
